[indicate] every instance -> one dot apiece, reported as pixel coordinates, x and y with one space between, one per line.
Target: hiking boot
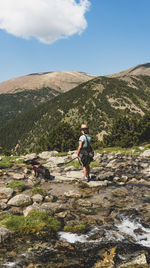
85 179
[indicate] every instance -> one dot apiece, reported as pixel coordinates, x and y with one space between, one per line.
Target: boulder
146 153
27 210
20 200
4 234
47 154
29 156
75 174
141 259
3 204
6 193
120 192
18 176
53 207
37 198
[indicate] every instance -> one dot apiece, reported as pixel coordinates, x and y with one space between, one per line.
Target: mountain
21 94
12 105
142 69
61 81
96 102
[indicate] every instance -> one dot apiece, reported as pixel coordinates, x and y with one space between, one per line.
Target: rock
70 168
35 206
108 259
73 194
29 156
32 181
62 214
54 161
6 193
20 200
141 259
74 174
49 198
111 164
47 154
120 192
3 204
84 203
146 171
26 171
4 234
0 158
53 207
18 176
141 148
146 153
37 198
105 176
98 184
62 179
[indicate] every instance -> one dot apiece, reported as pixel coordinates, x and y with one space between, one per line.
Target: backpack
86 154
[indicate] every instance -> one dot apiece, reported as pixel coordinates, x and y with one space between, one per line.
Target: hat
84 126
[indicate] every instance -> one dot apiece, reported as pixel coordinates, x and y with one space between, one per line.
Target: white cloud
46 20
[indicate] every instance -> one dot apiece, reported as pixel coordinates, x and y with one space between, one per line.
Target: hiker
83 149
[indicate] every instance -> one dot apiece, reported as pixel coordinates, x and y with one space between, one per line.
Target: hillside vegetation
96 102
11 105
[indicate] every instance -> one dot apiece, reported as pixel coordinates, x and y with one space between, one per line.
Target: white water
126 227
10 264
74 238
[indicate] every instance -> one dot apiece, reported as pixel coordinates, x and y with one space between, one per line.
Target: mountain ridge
141 69
96 102
61 81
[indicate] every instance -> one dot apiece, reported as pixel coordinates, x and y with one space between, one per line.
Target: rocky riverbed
104 222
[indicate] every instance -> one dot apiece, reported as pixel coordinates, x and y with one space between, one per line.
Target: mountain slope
61 81
142 69
11 105
26 92
96 102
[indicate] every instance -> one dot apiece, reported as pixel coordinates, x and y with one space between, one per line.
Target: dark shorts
84 157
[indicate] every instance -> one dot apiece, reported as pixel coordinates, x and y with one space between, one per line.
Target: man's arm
79 148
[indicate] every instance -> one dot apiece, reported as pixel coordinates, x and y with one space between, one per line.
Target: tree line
127 131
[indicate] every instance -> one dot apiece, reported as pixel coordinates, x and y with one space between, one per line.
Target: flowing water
128 237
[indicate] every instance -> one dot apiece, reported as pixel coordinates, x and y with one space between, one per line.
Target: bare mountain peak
141 69
58 80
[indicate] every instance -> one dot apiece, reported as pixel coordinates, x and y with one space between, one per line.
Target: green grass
8 161
75 164
94 164
17 185
75 227
38 190
125 151
35 221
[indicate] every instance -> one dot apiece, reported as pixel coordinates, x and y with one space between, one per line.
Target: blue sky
114 36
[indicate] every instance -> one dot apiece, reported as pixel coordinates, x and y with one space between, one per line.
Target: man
83 149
